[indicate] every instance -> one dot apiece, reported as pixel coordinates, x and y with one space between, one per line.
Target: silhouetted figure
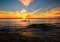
26 20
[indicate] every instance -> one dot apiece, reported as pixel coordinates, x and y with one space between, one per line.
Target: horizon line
29 18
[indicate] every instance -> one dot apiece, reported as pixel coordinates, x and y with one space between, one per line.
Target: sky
45 8
15 5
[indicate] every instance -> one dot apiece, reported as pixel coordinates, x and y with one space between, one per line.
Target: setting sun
24 17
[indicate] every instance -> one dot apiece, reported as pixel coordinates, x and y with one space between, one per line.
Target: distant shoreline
29 18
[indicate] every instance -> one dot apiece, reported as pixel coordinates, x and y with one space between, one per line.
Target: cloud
53 13
56 10
9 14
6 12
26 2
23 11
36 10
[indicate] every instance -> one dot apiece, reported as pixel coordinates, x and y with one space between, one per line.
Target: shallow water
29 32
21 22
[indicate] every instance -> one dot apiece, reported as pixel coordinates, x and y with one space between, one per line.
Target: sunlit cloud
56 10
26 2
23 11
36 10
53 13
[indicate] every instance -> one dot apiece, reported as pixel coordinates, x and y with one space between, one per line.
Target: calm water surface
20 22
29 32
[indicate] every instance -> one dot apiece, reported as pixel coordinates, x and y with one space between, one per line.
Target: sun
24 17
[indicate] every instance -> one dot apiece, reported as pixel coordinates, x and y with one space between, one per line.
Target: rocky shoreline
33 33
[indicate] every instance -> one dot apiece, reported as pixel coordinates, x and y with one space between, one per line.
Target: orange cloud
9 14
56 10
26 2
53 13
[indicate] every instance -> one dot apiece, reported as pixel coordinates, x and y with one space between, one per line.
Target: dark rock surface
43 33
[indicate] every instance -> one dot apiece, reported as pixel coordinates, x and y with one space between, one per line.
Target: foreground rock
33 33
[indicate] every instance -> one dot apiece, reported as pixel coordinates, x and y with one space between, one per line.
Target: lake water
26 22
29 32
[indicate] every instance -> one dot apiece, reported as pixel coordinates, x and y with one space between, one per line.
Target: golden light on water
24 24
27 34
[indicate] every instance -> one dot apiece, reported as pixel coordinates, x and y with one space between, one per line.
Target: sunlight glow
24 17
24 14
